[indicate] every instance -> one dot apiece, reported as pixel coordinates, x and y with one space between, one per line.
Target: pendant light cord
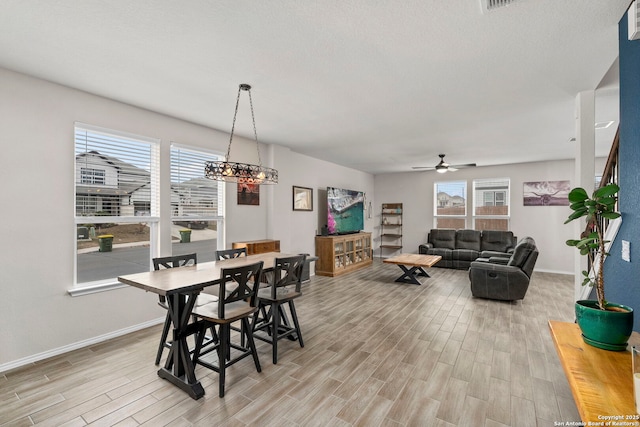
246 87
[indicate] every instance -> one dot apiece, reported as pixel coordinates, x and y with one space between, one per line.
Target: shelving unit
342 254
391 228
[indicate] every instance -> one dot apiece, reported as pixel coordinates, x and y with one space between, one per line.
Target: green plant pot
608 330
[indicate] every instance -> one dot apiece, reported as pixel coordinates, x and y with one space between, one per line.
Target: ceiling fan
443 166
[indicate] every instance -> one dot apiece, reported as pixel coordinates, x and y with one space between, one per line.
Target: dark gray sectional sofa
459 248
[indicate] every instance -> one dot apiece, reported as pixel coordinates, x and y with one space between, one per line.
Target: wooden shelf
391 220
601 381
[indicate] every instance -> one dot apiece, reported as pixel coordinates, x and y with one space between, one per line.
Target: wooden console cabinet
342 254
258 246
601 381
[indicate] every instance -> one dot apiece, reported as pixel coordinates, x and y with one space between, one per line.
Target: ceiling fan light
441 170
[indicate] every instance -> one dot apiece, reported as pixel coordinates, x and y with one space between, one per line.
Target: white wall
37 244
543 223
297 230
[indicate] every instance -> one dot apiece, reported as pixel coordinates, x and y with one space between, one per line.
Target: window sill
94 288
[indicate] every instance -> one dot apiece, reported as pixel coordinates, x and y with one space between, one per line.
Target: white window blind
193 195
116 174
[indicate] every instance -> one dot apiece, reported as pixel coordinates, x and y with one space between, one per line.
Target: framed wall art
546 193
302 199
248 194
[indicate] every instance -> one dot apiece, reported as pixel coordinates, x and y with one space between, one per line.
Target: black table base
179 368
409 275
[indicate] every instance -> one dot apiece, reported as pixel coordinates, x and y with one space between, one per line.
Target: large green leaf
610 215
578 194
606 191
575 215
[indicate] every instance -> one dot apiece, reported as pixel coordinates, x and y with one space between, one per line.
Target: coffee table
417 264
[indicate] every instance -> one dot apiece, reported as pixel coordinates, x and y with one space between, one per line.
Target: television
345 211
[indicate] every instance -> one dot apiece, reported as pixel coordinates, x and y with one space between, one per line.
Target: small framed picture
302 199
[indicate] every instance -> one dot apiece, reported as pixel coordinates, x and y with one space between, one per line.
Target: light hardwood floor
376 353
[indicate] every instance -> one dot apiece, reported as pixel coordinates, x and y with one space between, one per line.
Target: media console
342 253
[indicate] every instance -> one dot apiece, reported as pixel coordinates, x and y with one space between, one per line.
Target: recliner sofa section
459 248
504 279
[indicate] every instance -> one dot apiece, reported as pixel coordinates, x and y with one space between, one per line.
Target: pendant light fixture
243 173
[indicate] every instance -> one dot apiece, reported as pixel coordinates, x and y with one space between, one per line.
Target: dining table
181 286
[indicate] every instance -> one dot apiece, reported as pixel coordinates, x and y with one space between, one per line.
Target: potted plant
604 325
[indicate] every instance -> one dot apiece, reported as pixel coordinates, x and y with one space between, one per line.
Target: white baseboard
80 344
569 273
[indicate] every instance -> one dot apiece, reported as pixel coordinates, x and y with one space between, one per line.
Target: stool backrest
230 253
243 285
287 272
175 261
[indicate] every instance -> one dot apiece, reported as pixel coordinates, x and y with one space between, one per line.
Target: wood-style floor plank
377 353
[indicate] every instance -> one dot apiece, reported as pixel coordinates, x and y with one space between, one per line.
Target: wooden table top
601 381
184 279
414 260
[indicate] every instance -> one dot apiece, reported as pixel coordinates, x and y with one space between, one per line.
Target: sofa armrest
499 260
423 248
495 254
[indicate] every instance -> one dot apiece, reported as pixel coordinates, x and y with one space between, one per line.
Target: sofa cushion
499 241
465 255
443 238
468 239
443 252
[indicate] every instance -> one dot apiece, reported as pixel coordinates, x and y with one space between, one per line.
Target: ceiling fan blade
423 167
468 165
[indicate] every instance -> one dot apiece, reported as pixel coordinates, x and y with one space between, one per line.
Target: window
491 204
196 202
450 204
494 198
116 188
92 176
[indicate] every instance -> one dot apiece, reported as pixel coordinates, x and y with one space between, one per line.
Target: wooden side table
258 246
601 381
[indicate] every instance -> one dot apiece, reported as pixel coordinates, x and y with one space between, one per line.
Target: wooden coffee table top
414 260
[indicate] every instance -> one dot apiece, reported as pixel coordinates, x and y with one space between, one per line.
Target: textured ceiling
378 86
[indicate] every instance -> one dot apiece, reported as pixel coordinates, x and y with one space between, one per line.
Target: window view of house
491 204
116 194
196 202
450 204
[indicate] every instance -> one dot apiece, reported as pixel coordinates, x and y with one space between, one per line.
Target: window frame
211 155
494 191
153 220
436 202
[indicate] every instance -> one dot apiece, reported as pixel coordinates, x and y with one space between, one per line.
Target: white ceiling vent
634 21
489 5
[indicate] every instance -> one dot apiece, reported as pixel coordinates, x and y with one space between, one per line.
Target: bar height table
181 286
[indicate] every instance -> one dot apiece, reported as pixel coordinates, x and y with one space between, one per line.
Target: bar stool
283 290
237 303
